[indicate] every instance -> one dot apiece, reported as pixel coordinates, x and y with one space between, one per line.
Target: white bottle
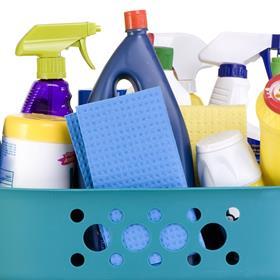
186 62
225 159
165 56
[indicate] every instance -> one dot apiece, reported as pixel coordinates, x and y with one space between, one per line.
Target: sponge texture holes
135 238
154 215
173 237
116 215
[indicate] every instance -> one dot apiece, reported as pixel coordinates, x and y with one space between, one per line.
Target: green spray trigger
47 41
83 49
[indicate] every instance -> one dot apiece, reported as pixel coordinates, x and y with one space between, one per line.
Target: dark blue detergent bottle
136 61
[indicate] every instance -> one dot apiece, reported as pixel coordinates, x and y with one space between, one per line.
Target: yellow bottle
268 111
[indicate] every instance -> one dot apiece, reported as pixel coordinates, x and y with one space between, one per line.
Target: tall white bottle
165 56
186 62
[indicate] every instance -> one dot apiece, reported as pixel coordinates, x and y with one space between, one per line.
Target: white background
205 19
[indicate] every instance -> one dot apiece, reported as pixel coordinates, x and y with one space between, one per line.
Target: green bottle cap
165 56
275 66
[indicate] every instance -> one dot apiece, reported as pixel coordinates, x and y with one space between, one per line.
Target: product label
68 158
30 164
6 177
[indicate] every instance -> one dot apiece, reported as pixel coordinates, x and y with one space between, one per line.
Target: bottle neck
132 32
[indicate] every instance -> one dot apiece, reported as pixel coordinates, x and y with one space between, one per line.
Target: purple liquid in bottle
50 97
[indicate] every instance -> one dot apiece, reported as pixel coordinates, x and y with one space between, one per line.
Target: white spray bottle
232 51
186 63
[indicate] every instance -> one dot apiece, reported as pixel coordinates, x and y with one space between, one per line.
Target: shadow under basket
221 233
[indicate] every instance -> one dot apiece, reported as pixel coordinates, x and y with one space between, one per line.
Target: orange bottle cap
135 19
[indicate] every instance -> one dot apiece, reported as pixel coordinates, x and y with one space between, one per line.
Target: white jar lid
219 141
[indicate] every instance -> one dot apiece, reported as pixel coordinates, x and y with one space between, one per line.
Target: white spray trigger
186 48
235 47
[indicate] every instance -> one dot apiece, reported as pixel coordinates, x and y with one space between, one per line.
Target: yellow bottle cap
51 68
37 127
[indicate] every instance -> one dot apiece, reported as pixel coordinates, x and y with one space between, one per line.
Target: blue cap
233 70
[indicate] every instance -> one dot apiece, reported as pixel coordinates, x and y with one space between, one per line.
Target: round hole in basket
77 260
77 215
154 215
173 237
116 215
214 236
135 238
233 214
116 259
96 237
155 259
232 258
194 259
193 214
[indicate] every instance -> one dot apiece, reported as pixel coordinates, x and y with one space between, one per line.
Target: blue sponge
129 142
78 143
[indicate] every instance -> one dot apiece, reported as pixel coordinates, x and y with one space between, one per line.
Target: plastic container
268 111
225 159
42 234
37 152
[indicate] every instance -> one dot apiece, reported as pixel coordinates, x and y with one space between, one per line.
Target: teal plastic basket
42 234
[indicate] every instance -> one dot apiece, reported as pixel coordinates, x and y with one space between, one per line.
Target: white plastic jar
36 152
225 159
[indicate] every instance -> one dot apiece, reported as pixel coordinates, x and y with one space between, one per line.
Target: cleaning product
268 111
165 56
50 94
136 61
202 121
231 51
186 63
134 149
225 160
36 152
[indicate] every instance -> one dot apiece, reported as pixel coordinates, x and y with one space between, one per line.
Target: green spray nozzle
47 41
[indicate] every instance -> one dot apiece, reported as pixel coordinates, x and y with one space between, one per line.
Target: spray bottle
268 111
165 56
232 51
186 63
50 94
135 60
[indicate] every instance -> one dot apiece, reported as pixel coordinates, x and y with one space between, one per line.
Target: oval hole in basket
135 238
116 215
96 237
77 215
193 214
116 259
194 259
173 237
155 259
214 236
154 215
233 214
232 258
77 260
